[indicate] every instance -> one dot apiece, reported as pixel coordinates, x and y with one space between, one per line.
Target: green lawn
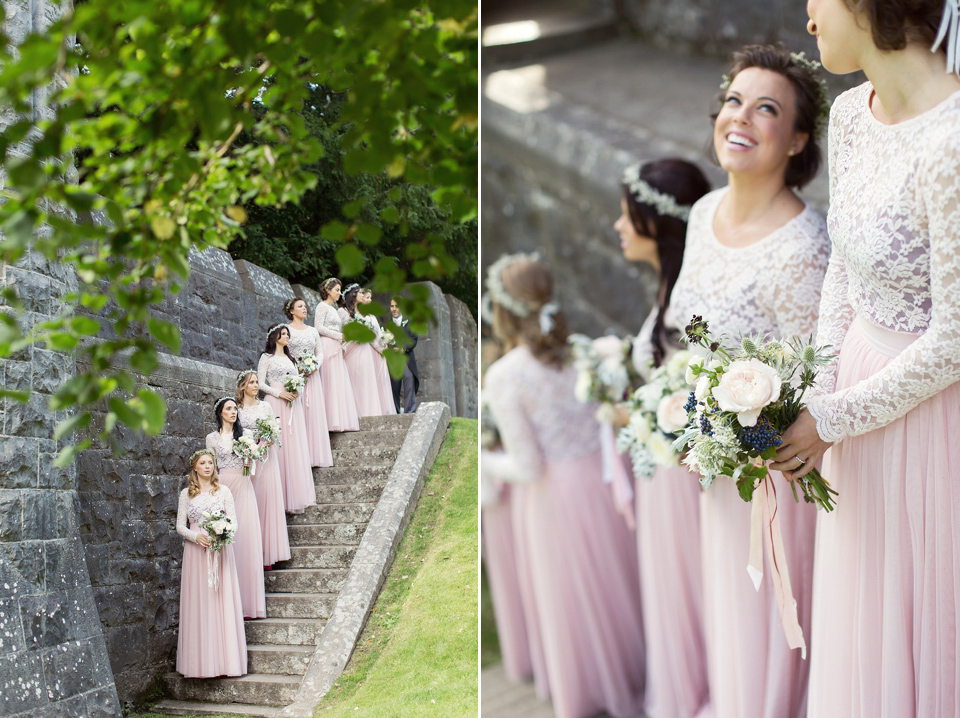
417 655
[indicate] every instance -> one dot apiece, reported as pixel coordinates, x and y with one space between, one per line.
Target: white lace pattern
272 370
191 510
328 322
222 446
305 341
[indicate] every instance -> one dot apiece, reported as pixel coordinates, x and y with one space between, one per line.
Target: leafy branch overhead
133 131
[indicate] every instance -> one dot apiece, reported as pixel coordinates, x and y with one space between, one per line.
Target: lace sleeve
262 369
182 509
344 315
320 324
521 460
228 506
795 296
932 362
317 348
378 333
211 441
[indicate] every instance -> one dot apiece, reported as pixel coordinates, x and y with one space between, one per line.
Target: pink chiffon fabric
338 391
363 378
887 577
211 639
273 521
293 458
384 387
671 588
499 550
752 670
315 417
247 543
584 589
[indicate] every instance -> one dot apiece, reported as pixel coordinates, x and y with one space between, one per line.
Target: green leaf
154 411
357 332
85 326
396 362
62 342
166 333
336 231
351 260
67 427
125 413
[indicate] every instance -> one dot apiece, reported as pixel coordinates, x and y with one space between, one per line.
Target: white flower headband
495 289
643 193
950 22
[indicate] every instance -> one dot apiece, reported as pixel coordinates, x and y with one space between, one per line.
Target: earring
811 27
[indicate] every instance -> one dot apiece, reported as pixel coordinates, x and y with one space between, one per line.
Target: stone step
365 455
284 631
360 493
254 688
195 708
318 557
278 660
282 604
333 514
368 474
305 580
360 439
394 422
326 534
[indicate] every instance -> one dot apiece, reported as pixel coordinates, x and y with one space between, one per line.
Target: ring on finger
802 462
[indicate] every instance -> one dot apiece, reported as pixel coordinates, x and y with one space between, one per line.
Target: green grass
417 655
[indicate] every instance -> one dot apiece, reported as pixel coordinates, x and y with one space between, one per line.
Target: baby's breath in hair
823 97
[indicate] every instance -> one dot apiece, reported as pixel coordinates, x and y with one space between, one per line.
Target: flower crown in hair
198 454
665 204
222 400
288 305
351 288
496 290
329 282
243 375
275 327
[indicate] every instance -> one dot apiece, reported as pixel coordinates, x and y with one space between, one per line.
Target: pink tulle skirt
498 558
338 391
671 586
273 521
211 640
384 387
887 580
751 669
315 416
585 587
247 543
296 477
363 378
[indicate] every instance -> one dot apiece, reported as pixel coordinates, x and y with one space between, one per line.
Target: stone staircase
301 592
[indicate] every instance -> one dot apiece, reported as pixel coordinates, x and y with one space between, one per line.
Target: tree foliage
134 130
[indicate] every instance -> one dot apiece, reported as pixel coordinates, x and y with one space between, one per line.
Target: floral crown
813 68
665 204
329 282
198 454
243 375
275 327
288 305
222 400
351 287
496 290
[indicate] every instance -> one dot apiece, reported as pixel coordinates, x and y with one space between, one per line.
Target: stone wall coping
373 558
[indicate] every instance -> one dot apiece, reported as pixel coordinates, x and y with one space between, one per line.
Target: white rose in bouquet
745 388
661 449
671 416
641 427
582 389
678 363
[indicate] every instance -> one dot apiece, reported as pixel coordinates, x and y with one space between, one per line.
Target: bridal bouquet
742 403
307 364
386 336
248 449
268 431
604 371
294 384
657 414
219 527
489 433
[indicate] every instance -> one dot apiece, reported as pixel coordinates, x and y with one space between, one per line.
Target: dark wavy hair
218 415
804 165
894 23
349 301
686 183
328 285
290 304
272 337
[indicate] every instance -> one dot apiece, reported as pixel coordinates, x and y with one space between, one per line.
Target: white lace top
305 341
539 419
222 446
642 354
771 286
272 370
329 322
191 510
895 224
248 416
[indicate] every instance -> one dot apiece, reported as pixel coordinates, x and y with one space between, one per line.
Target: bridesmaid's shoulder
505 367
850 103
706 204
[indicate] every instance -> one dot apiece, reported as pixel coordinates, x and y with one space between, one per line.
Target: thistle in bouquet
307 364
744 399
219 527
249 450
657 412
605 373
294 384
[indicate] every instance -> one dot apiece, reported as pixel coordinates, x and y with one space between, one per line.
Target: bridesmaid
248 542
887 571
211 640
266 482
575 555
655 203
276 364
304 340
384 387
754 261
340 402
360 360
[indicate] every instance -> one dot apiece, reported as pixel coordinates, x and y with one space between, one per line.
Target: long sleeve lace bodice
190 511
248 416
771 286
272 370
222 446
642 353
895 224
539 418
305 341
328 322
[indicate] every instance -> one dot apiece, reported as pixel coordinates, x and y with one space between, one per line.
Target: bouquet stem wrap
213 569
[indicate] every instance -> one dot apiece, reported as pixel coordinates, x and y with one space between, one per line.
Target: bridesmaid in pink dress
305 340
361 360
384 388
248 542
655 203
340 401
266 482
211 640
576 557
276 364
886 638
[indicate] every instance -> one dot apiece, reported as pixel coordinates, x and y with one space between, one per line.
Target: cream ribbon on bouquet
615 474
213 568
764 519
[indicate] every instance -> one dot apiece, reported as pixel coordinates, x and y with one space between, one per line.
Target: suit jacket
411 358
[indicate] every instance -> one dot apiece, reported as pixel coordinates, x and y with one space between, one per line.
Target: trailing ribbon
213 569
615 474
764 519
950 24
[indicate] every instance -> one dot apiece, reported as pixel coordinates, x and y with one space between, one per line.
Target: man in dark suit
409 385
